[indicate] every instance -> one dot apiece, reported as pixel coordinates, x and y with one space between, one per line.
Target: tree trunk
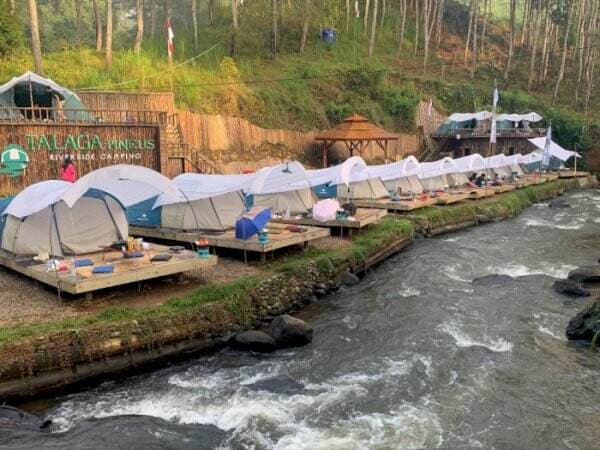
139 16
487 7
366 16
403 7
77 4
275 30
98 20
547 29
195 22
13 7
347 15
474 53
383 5
373 29
523 21
537 24
561 71
417 26
511 44
152 18
305 25
211 12
470 32
109 30
235 26
426 6
440 22
36 45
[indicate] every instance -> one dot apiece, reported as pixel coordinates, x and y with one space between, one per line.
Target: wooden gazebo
356 132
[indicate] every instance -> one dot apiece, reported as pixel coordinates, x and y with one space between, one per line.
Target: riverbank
39 358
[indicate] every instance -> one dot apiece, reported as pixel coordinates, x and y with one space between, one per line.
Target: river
422 354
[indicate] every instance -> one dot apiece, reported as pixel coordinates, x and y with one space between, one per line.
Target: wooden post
324 154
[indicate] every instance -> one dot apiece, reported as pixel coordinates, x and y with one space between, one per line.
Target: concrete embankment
38 359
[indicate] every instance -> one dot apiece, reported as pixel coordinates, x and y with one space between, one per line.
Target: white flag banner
430 108
170 37
546 157
494 128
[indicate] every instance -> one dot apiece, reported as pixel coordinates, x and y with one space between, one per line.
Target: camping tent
31 90
434 175
37 220
206 202
400 175
470 164
283 187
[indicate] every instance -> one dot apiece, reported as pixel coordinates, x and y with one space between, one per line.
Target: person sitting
480 180
473 177
496 180
67 171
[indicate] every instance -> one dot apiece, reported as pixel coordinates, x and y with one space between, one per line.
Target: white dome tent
284 187
38 220
205 202
400 175
433 174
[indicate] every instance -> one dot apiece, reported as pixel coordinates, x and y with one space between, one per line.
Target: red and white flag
170 36
356 9
430 108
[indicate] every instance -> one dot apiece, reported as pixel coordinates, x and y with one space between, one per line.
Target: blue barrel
328 35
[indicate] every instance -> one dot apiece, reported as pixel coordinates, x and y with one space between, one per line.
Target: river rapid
424 353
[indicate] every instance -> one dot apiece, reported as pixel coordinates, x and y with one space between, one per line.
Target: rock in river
289 331
586 324
349 279
15 418
558 203
254 340
585 274
571 288
491 280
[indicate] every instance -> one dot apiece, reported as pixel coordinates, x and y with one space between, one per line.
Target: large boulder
493 280
283 384
586 324
585 274
253 340
558 203
570 288
349 279
289 331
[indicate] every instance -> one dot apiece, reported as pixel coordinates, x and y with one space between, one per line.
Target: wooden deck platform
450 198
391 205
502 189
126 271
279 237
363 218
572 174
479 193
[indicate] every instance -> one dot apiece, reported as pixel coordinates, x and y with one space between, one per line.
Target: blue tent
252 223
141 214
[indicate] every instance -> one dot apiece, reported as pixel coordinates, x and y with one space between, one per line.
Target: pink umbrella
325 210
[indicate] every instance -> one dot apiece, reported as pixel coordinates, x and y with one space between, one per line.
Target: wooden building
464 134
103 128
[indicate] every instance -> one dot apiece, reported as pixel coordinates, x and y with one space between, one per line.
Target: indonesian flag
170 36
430 108
356 9
546 156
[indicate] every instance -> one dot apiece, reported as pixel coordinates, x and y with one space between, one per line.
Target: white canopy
345 173
437 168
555 150
529 117
470 163
496 161
464 117
531 158
128 184
284 177
393 171
197 186
514 159
37 197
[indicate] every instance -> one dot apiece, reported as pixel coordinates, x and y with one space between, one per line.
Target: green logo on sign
13 160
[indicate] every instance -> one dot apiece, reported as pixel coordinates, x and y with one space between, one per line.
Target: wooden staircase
182 158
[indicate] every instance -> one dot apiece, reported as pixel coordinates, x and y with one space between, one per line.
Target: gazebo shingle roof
356 128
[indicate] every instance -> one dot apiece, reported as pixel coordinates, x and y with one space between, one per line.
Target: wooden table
362 218
126 271
279 237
